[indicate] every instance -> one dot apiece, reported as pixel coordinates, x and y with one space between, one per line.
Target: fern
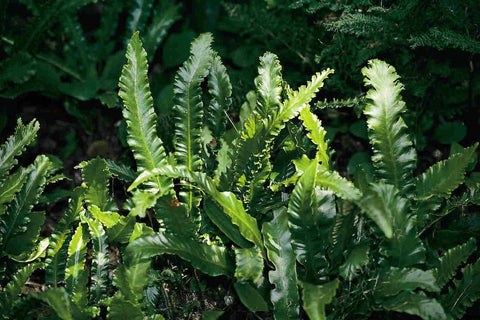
393 152
16 144
135 92
464 292
269 85
451 260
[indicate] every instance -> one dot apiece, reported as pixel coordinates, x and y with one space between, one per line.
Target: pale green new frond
451 260
297 100
249 264
12 185
444 176
316 133
269 84
140 116
15 145
393 152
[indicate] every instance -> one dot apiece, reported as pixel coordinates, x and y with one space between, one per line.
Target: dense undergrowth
219 192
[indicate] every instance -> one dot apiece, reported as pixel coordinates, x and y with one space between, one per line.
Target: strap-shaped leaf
210 259
445 176
120 170
140 116
76 276
269 84
250 296
393 152
316 133
188 102
175 216
99 273
333 181
58 299
395 280
19 217
451 260
122 309
382 205
131 280
15 145
284 295
356 259
316 297
415 304
12 185
58 248
249 264
96 178
464 292
220 89
188 110
162 20
308 226
9 296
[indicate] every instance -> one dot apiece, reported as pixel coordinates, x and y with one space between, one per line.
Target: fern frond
393 152
15 145
445 39
220 89
12 185
99 273
58 248
249 264
21 227
333 181
96 177
451 260
138 16
444 176
284 295
188 110
76 276
269 84
162 20
210 259
9 296
464 292
142 138
188 102
316 133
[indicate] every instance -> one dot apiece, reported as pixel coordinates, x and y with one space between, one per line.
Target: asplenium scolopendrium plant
313 238
20 220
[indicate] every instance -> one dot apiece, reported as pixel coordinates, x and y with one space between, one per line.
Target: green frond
451 260
333 181
58 248
96 179
445 176
464 292
220 89
269 84
58 299
139 16
249 264
415 303
445 39
210 259
393 152
188 111
316 297
139 113
162 20
10 294
131 281
21 227
188 102
99 272
175 217
394 280
308 225
278 242
15 145
12 185
120 308
76 276
121 171
316 133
